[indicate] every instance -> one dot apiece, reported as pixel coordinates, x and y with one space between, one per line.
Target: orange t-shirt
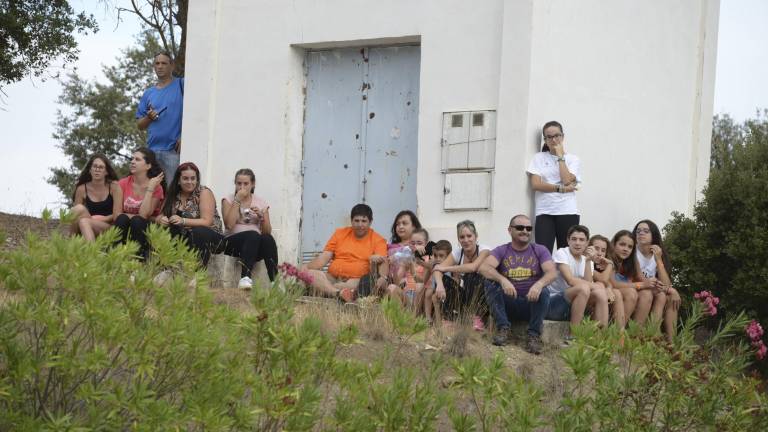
351 254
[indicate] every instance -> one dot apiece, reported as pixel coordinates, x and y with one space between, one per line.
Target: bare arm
230 213
320 261
472 267
565 175
540 185
266 225
117 201
79 195
550 274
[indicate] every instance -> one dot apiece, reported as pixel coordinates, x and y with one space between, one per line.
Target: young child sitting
574 287
411 269
432 304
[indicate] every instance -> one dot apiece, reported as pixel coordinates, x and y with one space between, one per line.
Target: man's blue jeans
169 161
504 308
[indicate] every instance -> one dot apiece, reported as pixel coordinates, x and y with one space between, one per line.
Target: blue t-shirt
522 268
163 133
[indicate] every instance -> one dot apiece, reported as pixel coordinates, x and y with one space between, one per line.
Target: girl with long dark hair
97 198
143 191
189 211
653 262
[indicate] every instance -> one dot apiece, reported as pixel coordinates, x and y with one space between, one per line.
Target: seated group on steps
617 280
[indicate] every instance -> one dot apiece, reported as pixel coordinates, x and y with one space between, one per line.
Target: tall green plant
723 248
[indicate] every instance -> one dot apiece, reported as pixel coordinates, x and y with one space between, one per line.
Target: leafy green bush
91 339
723 248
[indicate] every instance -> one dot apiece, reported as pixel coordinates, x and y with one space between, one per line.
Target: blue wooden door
360 138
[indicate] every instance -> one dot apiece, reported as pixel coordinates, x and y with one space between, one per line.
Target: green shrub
91 339
723 248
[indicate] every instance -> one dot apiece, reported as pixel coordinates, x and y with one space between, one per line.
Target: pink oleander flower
710 302
754 330
762 351
290 271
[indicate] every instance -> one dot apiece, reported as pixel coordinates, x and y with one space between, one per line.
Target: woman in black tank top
94 212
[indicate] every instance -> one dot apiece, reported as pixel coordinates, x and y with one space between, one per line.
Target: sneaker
477 324
245 283
501 337
533 345
346 295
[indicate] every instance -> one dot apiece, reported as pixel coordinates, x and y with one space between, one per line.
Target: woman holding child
249 229
190 212
555 176
97 198
142 194
401 254
458 282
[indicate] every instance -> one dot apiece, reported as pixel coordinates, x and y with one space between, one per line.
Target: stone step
552 333
224 272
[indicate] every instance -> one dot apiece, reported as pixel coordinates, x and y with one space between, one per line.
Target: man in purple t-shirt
517 274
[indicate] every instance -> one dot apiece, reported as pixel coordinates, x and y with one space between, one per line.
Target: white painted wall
632 82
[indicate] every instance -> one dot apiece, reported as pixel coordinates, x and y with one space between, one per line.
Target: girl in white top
555 176
465 261
661 300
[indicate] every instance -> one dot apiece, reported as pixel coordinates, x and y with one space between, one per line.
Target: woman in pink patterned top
142 194
249 231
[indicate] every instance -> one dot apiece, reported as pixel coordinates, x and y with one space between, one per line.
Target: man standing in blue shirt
160 111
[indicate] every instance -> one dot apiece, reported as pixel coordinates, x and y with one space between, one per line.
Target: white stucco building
335 101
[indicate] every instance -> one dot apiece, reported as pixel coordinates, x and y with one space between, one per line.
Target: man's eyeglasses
523 227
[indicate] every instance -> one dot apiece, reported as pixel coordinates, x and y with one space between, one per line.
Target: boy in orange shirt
353 249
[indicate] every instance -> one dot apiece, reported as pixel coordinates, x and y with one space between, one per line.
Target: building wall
632 83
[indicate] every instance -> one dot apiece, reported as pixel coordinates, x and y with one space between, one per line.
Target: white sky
28 113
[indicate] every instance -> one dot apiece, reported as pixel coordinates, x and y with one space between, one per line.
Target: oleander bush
93 339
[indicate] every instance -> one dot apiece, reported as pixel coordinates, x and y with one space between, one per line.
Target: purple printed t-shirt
522 268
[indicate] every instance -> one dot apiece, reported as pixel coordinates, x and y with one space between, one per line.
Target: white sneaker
245 283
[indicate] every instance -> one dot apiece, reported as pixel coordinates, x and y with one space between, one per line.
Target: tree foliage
723 248
100 117
168 21
34 33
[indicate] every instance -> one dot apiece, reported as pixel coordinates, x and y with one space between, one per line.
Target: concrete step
224 272
553 332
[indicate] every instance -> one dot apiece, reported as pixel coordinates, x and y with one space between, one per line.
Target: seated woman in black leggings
189 211
142 194
246 217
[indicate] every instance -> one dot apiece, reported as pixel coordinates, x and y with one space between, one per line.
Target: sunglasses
522 227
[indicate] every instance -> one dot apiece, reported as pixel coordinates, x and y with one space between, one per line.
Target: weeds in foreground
89 340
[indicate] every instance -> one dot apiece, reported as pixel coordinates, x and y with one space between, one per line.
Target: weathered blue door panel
390 145
360 138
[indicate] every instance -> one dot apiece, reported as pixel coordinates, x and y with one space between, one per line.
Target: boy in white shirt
574 287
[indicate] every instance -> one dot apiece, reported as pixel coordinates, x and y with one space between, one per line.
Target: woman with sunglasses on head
143 191
466 297
190 212
653 262
249 230
555 176
97 198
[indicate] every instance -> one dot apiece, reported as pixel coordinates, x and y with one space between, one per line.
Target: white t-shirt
577 265
647 265
545 165
458 258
